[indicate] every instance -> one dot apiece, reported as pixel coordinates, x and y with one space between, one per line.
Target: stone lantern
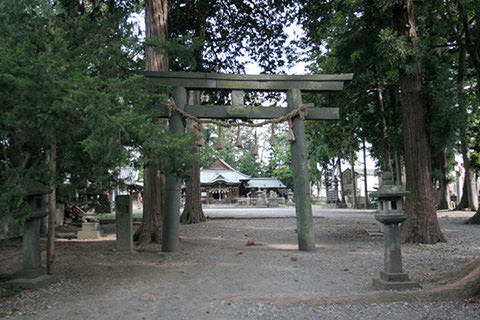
390 213
33 275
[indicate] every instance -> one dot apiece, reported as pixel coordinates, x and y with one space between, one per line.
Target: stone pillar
60 213
32 274
31 245
393 251
303 206
171 218
124 224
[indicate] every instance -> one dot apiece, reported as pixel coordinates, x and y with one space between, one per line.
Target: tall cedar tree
156 14
421 224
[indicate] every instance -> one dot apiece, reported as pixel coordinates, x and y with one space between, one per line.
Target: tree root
191 216
462 288
475 219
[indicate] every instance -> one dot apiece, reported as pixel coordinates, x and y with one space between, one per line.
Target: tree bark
367 205
386 152
153 203
469 195
475 219
471 39
354 182
52 204
342 187
156 14
469 199
193 212
421 224
444 194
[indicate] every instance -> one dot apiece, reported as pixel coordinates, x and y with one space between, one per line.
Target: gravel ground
217 276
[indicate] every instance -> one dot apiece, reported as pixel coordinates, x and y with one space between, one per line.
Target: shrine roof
221 171
265 183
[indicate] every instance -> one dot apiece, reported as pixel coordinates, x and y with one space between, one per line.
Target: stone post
32 274
124 224
31 245
60 214
303 206
171 219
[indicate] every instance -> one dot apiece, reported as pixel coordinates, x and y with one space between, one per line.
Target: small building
372 184
268 185
220 183
129 183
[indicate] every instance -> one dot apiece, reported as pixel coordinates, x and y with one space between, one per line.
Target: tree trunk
398 169
367 205
354 182
342 187
444 194
192 212
52 204
469 199
475 219
469 195
386 153
471 38
156 13
421 224
153 203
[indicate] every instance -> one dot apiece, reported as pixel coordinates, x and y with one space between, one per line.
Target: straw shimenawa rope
300 111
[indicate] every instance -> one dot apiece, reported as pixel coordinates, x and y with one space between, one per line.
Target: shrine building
222 184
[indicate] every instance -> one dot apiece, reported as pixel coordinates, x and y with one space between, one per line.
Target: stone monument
124 224
33 275
90 226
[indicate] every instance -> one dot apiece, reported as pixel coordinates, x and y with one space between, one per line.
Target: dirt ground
239 269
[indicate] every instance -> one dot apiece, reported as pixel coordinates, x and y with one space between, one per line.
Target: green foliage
220 32
10 291
395 50
279 164
70 70
357 36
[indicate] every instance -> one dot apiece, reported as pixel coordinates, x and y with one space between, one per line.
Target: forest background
76 106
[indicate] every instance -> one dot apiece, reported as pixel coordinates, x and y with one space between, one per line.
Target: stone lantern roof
388 189
35 188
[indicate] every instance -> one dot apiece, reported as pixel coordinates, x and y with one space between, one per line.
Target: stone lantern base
25 279
394 281
90 230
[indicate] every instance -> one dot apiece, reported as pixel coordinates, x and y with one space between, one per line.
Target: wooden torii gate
293 85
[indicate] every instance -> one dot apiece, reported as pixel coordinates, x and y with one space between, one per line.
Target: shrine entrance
295 113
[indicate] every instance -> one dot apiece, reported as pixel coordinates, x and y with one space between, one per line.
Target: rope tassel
302 111
238 143
254 151
219 145
273 140
291 136
200 142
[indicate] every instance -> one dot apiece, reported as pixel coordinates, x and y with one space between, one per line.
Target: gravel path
217 276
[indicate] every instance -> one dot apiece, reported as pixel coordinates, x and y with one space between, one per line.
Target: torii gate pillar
173 192
301 185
